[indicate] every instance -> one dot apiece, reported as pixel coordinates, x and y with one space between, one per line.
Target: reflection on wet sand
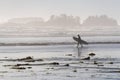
68 66
79 51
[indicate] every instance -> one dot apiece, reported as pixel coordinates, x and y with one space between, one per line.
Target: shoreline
52 43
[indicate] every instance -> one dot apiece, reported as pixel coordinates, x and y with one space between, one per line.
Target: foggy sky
45 8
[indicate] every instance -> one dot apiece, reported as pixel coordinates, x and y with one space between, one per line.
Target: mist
59 17
60 25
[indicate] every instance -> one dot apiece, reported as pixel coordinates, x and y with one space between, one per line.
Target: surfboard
76 39
84 42
81 41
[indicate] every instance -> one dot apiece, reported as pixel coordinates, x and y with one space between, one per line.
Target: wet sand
60 62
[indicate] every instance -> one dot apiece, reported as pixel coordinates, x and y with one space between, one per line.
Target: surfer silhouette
79 41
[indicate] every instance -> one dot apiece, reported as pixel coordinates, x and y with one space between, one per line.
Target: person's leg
78 44
81 45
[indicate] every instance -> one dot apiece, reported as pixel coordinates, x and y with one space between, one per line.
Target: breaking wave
57 40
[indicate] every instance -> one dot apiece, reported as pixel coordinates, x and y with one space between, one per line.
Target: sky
45 8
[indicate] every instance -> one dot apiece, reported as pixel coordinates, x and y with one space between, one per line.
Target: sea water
109 50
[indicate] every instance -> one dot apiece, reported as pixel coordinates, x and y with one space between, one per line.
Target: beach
60 61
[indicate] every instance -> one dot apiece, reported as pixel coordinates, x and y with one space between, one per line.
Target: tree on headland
102 20
63 20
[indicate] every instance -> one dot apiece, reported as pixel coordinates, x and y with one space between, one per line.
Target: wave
52 43
26 41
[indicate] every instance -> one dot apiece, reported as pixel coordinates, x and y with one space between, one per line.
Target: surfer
79 41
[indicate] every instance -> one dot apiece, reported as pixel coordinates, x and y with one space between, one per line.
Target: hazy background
21 16
45 8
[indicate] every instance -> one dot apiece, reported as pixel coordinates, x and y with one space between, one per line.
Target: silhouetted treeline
103 20
65 20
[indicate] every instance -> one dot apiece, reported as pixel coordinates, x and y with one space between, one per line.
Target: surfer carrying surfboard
79 41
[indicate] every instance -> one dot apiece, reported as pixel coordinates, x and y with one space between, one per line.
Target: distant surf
34 41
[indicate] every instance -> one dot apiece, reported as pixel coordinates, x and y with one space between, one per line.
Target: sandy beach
60 62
